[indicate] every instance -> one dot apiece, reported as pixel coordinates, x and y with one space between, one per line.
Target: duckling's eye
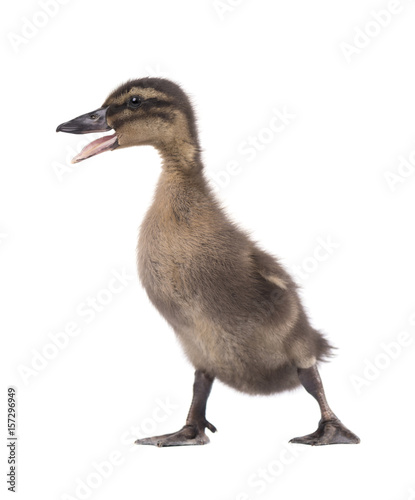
134 102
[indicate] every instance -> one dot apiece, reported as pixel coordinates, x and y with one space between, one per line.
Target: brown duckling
234 308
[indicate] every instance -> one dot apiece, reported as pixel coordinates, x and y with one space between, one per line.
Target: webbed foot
328 432
188 435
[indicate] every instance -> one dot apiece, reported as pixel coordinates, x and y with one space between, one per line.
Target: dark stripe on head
147 104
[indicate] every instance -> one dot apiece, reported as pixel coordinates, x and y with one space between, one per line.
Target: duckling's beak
95 121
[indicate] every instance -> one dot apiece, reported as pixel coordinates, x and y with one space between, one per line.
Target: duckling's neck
181 155
182 189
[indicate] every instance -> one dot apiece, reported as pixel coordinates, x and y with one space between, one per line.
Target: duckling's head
148 111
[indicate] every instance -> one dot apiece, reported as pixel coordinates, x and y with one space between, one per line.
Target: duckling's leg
194 430
330 429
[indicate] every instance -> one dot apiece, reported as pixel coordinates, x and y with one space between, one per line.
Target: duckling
233 307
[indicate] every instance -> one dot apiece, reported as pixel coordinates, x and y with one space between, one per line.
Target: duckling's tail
325 350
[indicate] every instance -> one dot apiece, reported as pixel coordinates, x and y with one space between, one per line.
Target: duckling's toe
188 435
328 432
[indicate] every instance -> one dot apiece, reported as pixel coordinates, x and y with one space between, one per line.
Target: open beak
95 121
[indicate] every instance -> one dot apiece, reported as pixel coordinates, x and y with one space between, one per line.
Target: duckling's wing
270 269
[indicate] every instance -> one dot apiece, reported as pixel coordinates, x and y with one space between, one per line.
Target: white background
322 177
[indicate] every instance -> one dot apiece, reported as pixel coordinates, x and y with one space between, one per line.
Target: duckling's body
234 308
